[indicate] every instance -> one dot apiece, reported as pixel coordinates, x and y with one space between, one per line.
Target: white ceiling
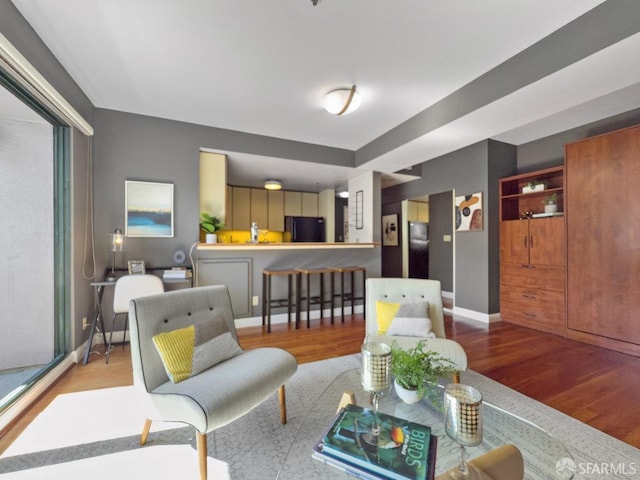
263 67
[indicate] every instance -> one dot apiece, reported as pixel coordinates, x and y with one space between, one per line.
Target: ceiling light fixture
272 184
342 101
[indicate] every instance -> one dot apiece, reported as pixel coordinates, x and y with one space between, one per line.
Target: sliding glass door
34 239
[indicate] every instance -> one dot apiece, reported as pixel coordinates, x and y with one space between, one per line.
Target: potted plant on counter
210 225
415 368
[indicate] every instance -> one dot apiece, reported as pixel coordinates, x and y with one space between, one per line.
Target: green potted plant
550 203
533 186
415 368
210 225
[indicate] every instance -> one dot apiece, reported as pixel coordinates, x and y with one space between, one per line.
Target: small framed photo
136 267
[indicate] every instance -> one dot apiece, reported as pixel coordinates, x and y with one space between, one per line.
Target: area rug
98 432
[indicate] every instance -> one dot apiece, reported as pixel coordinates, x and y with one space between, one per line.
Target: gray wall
468 170
549 151
137 147
392 256
441 252
21 35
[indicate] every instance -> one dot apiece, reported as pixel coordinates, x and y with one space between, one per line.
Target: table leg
98 318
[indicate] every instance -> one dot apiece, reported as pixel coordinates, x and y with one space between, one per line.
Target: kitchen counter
282 246
239 266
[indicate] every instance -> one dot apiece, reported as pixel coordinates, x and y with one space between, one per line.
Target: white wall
26 244
369 184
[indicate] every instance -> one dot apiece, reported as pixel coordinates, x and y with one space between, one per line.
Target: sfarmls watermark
567 468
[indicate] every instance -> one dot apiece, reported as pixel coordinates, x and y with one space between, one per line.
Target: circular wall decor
179 257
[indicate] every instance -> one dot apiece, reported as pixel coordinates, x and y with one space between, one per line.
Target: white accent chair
128 287
411 290
216 396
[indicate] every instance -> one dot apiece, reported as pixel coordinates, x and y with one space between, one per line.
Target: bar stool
268 302
350 295
310 299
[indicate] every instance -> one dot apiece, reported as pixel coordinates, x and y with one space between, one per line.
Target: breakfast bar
240 267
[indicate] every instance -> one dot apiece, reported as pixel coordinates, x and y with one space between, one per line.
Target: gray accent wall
441 252
475 168
138 147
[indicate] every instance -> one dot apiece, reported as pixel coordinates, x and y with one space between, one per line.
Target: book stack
176 273
402 450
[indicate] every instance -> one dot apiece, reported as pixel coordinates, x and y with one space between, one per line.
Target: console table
97 325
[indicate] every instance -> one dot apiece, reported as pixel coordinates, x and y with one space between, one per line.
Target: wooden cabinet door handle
530 315
524 240
529 295
531 241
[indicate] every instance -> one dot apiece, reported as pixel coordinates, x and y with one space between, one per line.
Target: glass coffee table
541 451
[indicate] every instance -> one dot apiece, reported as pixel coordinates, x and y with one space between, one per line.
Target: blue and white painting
149 209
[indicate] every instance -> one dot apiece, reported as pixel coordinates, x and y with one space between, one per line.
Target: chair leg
145 432
201 443
124 335
283 405
113 326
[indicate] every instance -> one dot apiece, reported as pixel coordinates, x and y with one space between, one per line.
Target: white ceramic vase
406 395
550 208
211 238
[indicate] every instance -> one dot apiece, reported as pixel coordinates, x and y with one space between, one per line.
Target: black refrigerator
418 250
305 229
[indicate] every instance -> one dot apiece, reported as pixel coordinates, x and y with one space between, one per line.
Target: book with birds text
400 449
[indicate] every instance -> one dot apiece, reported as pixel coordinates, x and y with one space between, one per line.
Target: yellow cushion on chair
195 348
385 312
405 319
176 350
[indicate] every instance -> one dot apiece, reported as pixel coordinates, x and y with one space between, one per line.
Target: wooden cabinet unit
603 247
532 254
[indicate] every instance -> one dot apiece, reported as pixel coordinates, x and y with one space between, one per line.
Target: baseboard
478 316
282 317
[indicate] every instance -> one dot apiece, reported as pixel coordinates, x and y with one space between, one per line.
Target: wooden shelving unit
514 204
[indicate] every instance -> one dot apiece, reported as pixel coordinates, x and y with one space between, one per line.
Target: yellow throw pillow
176 350
190 350
385 311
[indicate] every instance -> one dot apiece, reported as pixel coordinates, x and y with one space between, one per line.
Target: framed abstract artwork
390 230
469 212
149 209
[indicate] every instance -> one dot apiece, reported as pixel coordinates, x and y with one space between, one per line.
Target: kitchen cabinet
276 210
293 204
228 217
259 207
309 204
603 254
532 254
417 211
241 208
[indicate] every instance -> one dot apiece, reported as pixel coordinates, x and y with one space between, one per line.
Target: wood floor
597 386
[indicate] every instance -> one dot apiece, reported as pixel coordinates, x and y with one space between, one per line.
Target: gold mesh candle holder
463 422
376 367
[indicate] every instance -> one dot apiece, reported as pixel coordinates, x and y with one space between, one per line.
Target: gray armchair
217 395
412 290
